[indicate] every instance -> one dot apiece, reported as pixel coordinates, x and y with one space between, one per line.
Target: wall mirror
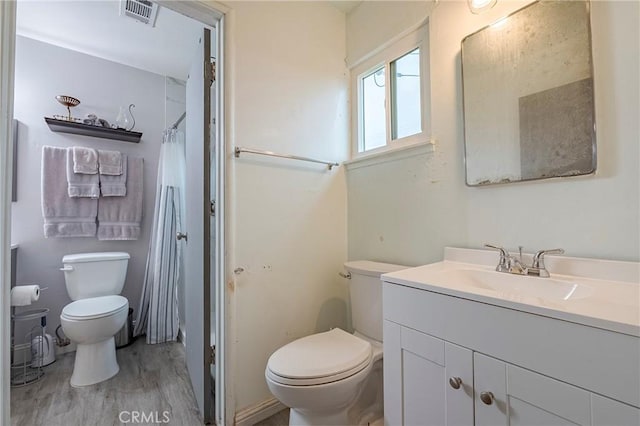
528 95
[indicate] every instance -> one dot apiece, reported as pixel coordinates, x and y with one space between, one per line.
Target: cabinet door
520 397
607 412
417 368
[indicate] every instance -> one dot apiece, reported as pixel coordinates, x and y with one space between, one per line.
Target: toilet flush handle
67 268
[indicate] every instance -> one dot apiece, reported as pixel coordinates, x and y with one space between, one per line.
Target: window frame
389 53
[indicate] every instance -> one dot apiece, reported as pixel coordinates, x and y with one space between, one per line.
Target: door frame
7 65
210 13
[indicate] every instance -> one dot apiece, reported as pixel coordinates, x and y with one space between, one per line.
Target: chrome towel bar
239 150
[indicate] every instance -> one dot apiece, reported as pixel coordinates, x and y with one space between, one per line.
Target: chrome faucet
537 266
507 262
512 265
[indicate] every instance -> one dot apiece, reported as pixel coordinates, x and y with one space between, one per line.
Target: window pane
407 113
374 134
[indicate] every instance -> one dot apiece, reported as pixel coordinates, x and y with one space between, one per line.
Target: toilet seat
94 307
320 358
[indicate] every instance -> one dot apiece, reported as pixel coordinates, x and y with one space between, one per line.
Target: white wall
291 90
598 216
42 72
373 23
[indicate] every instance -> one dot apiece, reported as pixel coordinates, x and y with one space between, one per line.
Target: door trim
7 65
211 13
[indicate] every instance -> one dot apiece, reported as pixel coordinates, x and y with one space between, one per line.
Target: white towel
119 217
80 185
63 216
85 160
110 162
115 186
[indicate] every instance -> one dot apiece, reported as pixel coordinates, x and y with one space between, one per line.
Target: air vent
141 10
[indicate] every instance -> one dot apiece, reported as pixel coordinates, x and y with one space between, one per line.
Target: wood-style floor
152 379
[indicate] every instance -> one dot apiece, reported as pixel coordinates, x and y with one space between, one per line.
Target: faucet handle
504 255
538 258
502 250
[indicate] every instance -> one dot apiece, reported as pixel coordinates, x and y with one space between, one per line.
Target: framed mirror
528 95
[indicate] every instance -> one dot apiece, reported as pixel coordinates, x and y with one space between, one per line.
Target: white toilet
94 282
335 378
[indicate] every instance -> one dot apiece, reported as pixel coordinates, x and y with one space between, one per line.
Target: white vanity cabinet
455 361
417 388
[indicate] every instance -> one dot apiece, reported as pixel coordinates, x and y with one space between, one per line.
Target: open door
197 249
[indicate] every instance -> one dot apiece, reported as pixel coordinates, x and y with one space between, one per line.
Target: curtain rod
177 123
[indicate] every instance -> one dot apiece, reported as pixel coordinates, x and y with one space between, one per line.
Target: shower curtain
158 310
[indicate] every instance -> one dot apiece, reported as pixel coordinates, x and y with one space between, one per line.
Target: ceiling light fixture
479 6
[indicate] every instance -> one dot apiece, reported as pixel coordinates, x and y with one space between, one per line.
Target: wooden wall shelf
63 126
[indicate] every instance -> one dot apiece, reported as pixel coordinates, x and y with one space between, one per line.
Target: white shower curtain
158 311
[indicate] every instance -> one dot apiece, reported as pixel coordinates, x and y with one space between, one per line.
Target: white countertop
610 304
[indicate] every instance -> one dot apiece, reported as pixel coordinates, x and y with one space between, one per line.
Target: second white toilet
335 378
94 282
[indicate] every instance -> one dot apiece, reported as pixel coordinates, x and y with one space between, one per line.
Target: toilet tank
95 274
365 291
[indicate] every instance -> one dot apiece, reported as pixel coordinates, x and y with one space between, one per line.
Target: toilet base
365 409
299 418
94 363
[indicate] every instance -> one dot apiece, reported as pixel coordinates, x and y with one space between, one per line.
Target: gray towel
115 186
110 162
80 185
63 216
85 160
119 217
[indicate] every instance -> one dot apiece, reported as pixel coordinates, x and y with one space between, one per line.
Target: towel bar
239 150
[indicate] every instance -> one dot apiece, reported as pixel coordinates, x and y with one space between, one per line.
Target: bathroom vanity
465 345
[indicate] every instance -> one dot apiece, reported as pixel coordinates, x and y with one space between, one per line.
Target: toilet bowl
97 313
323 387
91 323
335 377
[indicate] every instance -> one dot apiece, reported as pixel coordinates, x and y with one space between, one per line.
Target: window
390 91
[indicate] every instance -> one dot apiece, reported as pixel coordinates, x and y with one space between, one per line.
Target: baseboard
258 412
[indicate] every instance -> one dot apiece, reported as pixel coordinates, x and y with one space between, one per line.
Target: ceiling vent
141 10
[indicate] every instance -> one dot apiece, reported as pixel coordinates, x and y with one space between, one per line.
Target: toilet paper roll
24 295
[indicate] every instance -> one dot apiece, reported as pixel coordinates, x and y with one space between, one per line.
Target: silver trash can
124 337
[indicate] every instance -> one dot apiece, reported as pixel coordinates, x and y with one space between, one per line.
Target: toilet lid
94 307
319 358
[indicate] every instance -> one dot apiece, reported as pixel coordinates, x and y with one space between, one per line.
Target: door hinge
213 70
212 210
212 355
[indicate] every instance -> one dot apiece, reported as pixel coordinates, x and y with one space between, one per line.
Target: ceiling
95 27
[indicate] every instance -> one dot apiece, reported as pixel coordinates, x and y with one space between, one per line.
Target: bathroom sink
596 292
514 285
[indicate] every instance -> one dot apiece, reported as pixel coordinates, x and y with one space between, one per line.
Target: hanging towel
119 217
85 160
80 185
115 186
110 162
63 216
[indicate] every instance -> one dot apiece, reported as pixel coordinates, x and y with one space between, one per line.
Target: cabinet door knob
486 397
181 236
455 382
